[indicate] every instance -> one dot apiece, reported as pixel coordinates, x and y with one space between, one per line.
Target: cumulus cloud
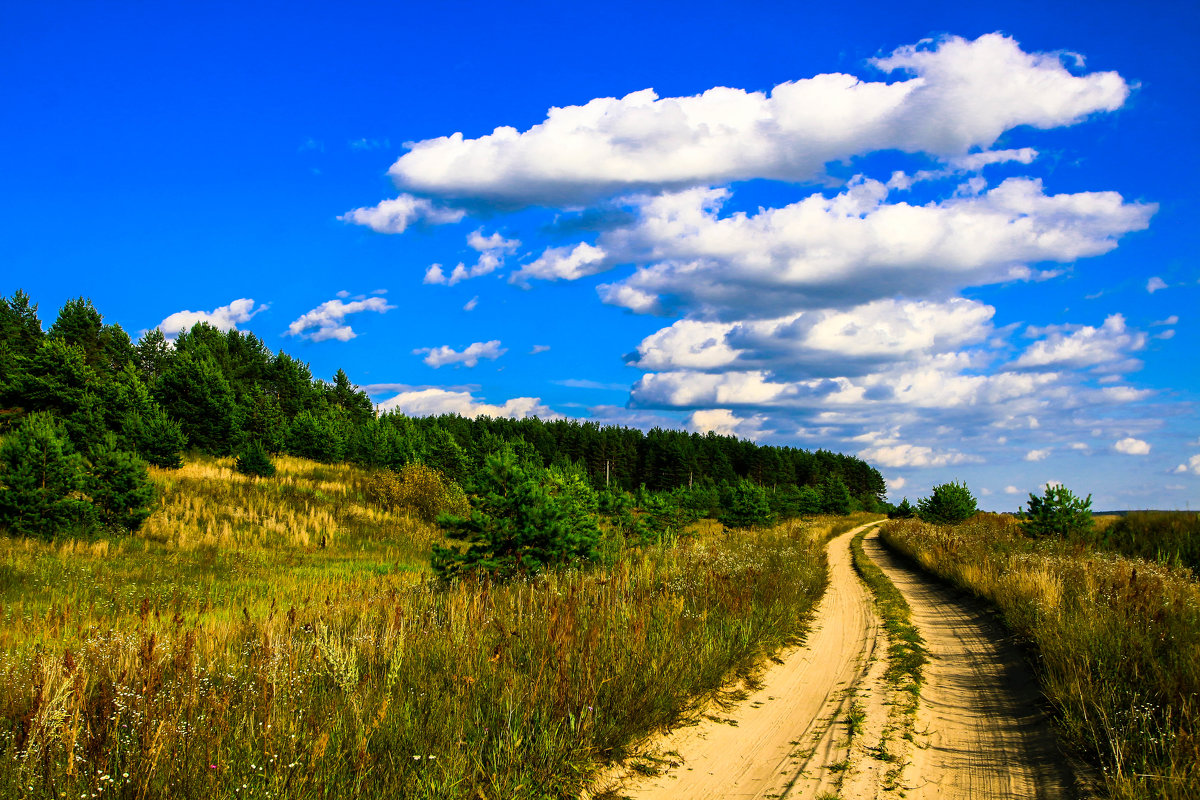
1192 465
852 248
563 263
1011 490
225 318
492 252
724 422
820 343
400 213
1082 345
434 401
1037 455
907 455
951 97
896 483
538 348
326 321
1155 284
469 356
1132 447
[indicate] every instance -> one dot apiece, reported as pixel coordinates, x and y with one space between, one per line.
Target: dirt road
824 722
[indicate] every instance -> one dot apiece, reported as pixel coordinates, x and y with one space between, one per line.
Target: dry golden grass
225 653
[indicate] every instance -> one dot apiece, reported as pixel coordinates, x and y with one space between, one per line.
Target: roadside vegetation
285 637
1116 639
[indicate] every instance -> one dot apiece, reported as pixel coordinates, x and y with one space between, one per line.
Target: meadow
285 638
1115 641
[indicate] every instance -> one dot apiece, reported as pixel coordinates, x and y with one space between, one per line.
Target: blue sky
956 240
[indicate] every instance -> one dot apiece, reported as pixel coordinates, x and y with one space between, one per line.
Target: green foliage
418 489
1166 536
950 503
517 525
744 505
253 460
835 496
903 511
119 486
199 396
40 479
156 437
314 436
1059 513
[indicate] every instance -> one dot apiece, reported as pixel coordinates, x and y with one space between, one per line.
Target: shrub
418 489
744 505
835 497
1058 513
950 503
253 460
157 437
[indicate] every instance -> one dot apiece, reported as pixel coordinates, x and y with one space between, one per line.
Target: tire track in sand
780 741
982 732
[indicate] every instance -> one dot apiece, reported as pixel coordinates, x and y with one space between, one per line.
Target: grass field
284 638
1116 641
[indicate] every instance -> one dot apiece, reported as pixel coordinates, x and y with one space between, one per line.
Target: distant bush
950 503
744 505
903 511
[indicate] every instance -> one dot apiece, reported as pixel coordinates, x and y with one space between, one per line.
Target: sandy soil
781 739
980 728
982 731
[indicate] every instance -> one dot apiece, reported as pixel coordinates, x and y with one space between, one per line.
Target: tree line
107 405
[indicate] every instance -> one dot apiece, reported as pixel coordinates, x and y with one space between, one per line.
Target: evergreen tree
40 480
1058 512
156 437
194 391
516 526
835 497
253 460
949 504
119 486
903 511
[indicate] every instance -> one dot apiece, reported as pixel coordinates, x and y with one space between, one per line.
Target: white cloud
1037 455
441 356
1192 466
957 95
852 248
563 263
434 401
1132 447
398 214
1082 346
471 304
907 455
821 342
492 252
896 483
225 318
1171 320
1011 490
326 320
538 348
724 422
1154 284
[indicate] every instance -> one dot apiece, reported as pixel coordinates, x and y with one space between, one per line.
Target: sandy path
981 730
780 740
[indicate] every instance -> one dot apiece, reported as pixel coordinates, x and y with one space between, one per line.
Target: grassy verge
1117 643
282 638
907 654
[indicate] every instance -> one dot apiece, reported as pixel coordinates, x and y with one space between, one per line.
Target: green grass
1116 640
225 653
907 654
